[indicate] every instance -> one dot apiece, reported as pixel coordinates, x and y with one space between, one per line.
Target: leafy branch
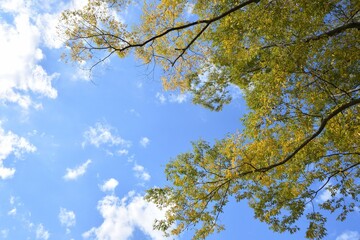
309 139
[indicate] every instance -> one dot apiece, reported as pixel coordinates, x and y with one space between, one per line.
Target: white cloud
235 92
189 7
67 218
172 98
12 212
5 172
123 216
178 98
123 152
102 134
11 143
77 4
131 158
326 194
42 233
349 235
81 73
109 185
74 173
141 173
144 141
160 97
12 200
50 34
14 6
23 221
21 75
30 26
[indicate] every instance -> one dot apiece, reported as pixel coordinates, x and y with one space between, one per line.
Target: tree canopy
297 66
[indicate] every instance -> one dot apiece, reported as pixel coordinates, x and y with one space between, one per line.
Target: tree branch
308 140
317 133
334 31
128 45
189 45
204 21
330 33
329 178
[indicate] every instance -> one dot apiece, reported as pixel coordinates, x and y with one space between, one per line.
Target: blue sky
76 156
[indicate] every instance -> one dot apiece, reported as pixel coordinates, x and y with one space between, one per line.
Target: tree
297 65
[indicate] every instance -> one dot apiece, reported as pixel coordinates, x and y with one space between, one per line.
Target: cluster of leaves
297 65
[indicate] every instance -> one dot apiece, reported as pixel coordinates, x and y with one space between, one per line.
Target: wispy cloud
102 134
172 98
22 222
12 200
42 233
123 216
141 173
349 235
67 218
74 173
123 152
178 98
161 97
109 185
12 212
144 141
11 143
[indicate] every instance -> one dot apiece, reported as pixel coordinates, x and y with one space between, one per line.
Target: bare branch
102 60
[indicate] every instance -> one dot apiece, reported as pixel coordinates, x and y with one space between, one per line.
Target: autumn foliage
297 66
